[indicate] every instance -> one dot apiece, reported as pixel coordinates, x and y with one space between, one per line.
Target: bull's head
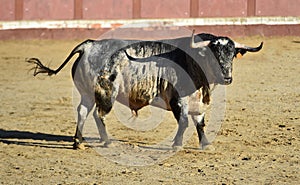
224 49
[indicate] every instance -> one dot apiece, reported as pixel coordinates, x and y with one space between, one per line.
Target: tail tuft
39 68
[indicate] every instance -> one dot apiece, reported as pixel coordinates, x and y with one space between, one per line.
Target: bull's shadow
39 139
27 138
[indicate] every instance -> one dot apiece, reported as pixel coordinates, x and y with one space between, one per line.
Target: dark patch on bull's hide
112 77
206 95
204 37
103 93
137 104
140 94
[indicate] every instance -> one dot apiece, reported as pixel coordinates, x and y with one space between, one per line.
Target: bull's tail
40 68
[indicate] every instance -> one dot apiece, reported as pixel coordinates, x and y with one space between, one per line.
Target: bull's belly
142 93
135 104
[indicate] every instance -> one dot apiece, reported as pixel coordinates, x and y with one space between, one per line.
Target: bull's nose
228 80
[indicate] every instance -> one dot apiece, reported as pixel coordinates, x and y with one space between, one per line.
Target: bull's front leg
200 124
180 111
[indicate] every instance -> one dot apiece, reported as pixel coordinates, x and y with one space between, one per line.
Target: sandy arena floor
258 143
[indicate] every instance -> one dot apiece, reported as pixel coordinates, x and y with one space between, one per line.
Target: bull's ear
239 52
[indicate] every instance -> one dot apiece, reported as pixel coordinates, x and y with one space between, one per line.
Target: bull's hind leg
180 111
83 109
105 94
104 102
99 118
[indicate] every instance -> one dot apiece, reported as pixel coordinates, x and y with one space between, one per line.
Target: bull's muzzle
227 80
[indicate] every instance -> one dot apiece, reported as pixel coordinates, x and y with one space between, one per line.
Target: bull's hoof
101 140
208 147
177 147
108 144
78 145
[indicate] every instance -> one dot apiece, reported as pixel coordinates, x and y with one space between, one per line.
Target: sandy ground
258 142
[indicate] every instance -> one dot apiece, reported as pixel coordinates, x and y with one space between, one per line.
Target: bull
137 72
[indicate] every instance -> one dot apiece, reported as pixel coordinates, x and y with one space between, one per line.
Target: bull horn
247 48
198 44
